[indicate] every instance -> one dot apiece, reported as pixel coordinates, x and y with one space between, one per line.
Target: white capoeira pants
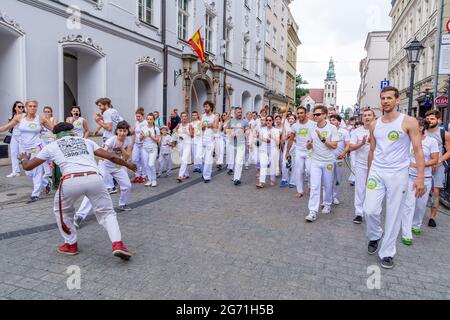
197 152
37 174
185 156
149 156
229 145
165 159
414 208
94 189
360 189
269 162
321 172
219 149
238 154
136 158
14 150
338 177
284 170
352 177
394 186
302 163
208 149
47 165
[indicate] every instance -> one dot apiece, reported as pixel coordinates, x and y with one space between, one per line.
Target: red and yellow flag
196 43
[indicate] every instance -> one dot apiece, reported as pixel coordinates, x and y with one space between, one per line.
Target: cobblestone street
215 241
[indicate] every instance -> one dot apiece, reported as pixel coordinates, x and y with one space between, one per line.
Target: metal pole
437 52
166 60
411 89
447 115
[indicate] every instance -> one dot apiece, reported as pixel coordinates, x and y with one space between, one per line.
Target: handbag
7 140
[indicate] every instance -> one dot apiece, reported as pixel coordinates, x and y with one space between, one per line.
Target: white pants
352 165
360 189
107 178
14 149
219 149
394 185
302 164
229 144
37 174
338 177
414 208
149 156
208 149
94 189
284 170
238 154
197 152
321 172
136 157
167 160
269 164
185 156
47 165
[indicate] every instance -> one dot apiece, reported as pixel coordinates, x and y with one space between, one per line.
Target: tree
299 90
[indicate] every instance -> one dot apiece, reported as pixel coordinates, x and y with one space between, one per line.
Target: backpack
446 163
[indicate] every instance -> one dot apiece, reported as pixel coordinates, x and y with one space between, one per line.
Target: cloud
338 29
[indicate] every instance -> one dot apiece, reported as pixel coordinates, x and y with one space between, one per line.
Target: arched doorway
149 85
258 103
246 102
201 91
12 64
83 78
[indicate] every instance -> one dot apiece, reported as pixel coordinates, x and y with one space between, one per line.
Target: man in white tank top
388 163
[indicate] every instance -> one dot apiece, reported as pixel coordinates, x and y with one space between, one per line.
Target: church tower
330 92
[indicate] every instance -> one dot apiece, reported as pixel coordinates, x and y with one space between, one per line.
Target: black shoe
32 199
237 182
230 172
48 188
219 167
432 223
373 246
357 220
387 263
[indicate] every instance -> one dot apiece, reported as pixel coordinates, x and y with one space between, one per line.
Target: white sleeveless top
30 132
78 128
183 132
392 146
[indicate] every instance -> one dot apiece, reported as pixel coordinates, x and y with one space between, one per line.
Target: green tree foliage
300 91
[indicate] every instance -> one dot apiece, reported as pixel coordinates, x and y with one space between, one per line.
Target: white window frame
183 26
143 7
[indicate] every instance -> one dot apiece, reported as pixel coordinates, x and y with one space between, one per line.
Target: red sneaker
119 250
68 249
136 179
141 180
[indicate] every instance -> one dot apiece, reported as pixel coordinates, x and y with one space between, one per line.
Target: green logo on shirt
372 184
32 126
324 134
303 132
393 136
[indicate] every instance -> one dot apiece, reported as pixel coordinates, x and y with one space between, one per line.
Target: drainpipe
224 30
166 58
437 52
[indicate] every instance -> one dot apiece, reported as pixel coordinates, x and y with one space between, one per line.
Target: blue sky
337 28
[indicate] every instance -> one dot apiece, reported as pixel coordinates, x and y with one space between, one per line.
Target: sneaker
311 217
48 187
137 180
292 186
77 222
352 183
158 175
237 182
357 220
219 166
68 249
207 180
125 208
326 210
372 248
230 172
197 170
148 183
32 199
432 223
283 184
246 168
387 263
407 242
322 204
112 191
154 183
416 231
13 175
336 201
119 250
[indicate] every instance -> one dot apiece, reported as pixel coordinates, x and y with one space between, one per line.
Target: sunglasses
21 107
317 114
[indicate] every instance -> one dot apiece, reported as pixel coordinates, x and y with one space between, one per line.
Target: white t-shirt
208 134
78 126
71 154
302 135
149 142
197 125
183 133
362 154
111 116
264 134
321 152
344 137
165 140
30 133
112 143
138 126
429 146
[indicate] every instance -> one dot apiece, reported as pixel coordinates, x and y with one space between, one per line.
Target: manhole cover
11 194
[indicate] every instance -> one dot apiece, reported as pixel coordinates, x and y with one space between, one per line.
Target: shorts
438 177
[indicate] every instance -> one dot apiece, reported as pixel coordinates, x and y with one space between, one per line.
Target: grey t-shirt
238 127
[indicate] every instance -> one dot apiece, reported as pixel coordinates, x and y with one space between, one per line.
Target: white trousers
269 164
37 174
321 172
185 156
165 159
94 189
238 154
284 169
338 177
414 208
219 149
394 186
352 165
136 158
302 165
47 165
208 149
14 150
360 189
149 156
229 144
197 152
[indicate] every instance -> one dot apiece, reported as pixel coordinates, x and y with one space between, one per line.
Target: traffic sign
441 101
448 25
385 83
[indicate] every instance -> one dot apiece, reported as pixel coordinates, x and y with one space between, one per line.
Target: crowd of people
393 156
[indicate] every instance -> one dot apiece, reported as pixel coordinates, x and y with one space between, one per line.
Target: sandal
259 186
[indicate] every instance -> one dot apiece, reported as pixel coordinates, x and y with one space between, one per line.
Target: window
209 33
268 32
258 63
245 54
183 19
274 38
282 47
228 44
259 8
145 11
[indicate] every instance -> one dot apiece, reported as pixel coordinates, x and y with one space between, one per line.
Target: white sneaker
148 183
13 175
336 201
311 217
154 183
326 209
322 204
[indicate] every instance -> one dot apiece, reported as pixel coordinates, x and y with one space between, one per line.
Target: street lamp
413 51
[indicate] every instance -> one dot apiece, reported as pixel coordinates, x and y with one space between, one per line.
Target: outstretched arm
114 159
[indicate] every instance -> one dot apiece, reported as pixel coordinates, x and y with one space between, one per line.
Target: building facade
291 60
330 86
373 69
